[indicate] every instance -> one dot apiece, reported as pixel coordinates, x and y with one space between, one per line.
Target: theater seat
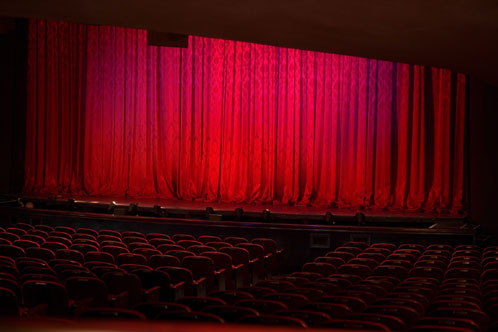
273 320
264 307
112 313
190 316
355 325
51 293
9 303
231 296
230 313
153 309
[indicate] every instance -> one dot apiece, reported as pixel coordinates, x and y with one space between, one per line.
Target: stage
228 211
304 232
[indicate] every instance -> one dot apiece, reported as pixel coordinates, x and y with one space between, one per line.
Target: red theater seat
356 304
45 228
232 296
133 239
324 269
234 275
448 322
355 325
156 284
51 293
218 245
140 245
83 236
65 229
110 232
9 303
273 320
70 254
392 322
362 271
313 292
352 250
180 237
156 242
108 237
183 276
187 243
199 249
112 313
129 258
208 238
158 236
11 237
292 300
198 303
233 240
153 309
54 246
146 252
124 285
192 316
18 231
40 253
132 234
164 248
345 256
11 251
115 251
156 261
336 261
308 275
388 246
84 248
257 291
264 307
406 314
230 313
97 256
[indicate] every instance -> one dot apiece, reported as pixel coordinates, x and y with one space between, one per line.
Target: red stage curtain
238 122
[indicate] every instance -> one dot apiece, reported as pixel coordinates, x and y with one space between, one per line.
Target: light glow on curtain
238 122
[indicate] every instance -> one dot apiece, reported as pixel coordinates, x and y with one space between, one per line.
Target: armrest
237 267
37 310
257 270
178 290
76 307
253 261
118 300
241 275
221 277
200 286
151 294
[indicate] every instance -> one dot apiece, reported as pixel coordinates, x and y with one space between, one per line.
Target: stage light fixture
111 207
239 213
360 218
133 209
158 212
329 218
70 204
209 210
267 216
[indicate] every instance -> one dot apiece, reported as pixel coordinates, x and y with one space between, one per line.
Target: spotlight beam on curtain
238 122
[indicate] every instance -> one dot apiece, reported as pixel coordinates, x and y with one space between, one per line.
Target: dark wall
483 161
13 67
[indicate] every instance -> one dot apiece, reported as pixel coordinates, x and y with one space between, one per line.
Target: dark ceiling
461 34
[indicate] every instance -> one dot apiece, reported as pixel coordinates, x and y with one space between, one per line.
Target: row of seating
259 256
357 286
